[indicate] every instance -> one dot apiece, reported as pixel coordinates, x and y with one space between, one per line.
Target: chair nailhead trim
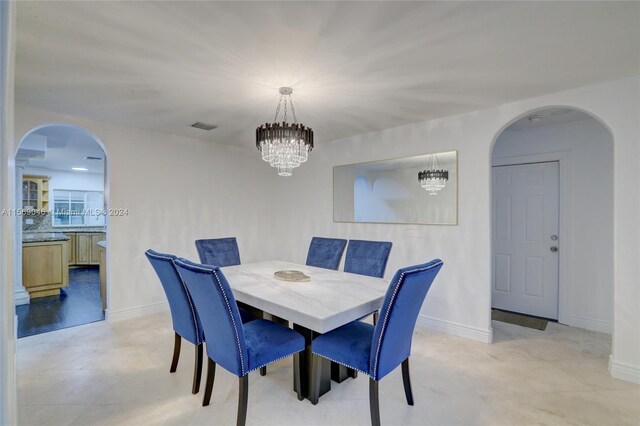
272 361
235 328
342 363
386 315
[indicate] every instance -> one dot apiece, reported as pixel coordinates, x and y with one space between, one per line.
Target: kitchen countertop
40 237
78 229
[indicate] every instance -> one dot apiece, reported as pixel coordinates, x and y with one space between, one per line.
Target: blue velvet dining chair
236 347
367 258
186 322
378 350
325 252
218 251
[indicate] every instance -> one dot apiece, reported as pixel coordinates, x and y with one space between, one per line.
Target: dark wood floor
78 304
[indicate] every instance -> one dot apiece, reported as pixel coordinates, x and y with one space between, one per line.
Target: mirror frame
333 185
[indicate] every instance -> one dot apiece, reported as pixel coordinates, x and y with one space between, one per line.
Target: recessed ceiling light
80 169
560 111
534 118
203 126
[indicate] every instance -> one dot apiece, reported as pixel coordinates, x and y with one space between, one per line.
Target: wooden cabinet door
71 248
95 248
42 265
83 248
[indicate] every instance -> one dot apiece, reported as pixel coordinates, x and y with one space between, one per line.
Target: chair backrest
367 257
186 321
394 330
219 251
219 315
325 252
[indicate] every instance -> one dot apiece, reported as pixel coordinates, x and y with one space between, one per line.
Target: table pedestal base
305 365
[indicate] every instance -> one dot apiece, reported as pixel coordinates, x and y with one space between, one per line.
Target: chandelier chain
285 110
275 119
293 110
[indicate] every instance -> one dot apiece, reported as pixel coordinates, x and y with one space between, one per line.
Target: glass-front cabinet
35 192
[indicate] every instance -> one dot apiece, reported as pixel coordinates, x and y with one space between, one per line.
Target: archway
552 218
60 250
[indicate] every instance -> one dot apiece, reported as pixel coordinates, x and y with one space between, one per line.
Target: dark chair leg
407 381
314 392
197 370
208 387
296 375
374 403
176 353
243 400
375 317
263 371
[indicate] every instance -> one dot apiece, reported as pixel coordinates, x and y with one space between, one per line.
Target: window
78 208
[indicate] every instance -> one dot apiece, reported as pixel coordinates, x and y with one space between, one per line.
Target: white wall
590 257
176 190
460 300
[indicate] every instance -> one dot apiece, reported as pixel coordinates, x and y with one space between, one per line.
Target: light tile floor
118 373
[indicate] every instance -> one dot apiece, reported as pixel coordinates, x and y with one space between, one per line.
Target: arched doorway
61 229
552 219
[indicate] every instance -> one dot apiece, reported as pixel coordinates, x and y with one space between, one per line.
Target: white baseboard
590 324
137 312
461 330
21 297
624 371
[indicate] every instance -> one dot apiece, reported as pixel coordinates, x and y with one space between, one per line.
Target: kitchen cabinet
72 247
85 249
35 192
95 248
45 267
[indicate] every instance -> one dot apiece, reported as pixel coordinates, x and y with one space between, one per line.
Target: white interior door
525 238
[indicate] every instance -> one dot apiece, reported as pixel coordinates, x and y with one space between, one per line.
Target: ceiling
355 67
67 147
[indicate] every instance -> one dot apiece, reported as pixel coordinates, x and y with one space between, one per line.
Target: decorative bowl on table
291 275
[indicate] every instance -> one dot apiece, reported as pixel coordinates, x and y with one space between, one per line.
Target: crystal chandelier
434 178
283 145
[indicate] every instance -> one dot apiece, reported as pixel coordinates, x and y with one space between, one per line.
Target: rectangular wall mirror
414 190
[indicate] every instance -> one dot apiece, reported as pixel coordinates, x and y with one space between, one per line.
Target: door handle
553 249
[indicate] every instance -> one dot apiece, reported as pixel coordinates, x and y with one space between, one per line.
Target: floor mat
519 319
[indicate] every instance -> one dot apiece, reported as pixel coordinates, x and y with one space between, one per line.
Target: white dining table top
330 300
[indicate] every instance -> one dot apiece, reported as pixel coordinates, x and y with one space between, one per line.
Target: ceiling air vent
203 126
93 158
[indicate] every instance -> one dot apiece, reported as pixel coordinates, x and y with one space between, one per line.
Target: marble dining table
330 299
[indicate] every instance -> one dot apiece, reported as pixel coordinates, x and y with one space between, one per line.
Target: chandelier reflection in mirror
284 146
434 178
